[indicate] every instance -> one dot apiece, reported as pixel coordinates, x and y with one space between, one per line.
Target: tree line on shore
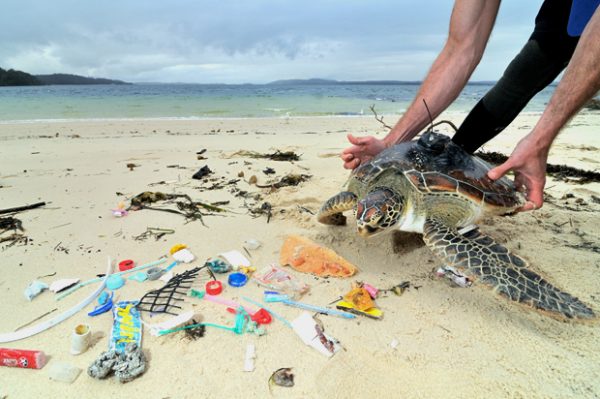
12 77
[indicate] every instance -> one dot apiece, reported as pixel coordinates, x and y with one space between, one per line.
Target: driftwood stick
379 118
22 208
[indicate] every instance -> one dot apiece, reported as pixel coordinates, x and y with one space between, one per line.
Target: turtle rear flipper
331 211
480 256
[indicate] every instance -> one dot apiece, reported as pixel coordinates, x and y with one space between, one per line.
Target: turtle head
378 211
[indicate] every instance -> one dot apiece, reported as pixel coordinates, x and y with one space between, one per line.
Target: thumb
536 195
499 171
357 140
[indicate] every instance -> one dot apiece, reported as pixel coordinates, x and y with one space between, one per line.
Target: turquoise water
35 103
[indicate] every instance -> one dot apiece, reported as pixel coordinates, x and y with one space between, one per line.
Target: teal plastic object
139 276
114 282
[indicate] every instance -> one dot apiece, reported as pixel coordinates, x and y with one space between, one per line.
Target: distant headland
13 77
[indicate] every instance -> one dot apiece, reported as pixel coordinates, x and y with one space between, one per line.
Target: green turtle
433 187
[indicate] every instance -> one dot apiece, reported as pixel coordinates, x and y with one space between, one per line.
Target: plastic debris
22 358
126 366
358 301
454 276
170 323
120 211
63 372
252 244
168 275
34 289
214 287
38 328
103 298
80 339
237 279
276 297
307 256
217 265
276 278
60 285
313 335
139 277
184 255
165 299
235 259
127 264
103 308
249 359
127 326
155 273
114 282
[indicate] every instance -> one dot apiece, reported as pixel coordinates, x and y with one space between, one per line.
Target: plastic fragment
313 335
249 359
34 289
63 372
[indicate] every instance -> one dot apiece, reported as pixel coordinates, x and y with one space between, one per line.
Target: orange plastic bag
307 256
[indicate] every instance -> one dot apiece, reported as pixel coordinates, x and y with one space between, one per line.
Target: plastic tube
84 283
38 328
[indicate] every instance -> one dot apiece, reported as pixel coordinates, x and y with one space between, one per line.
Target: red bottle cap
214 287
126 265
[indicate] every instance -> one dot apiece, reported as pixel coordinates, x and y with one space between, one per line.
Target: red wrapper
22 358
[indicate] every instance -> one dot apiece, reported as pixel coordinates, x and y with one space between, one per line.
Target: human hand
528 162
363 149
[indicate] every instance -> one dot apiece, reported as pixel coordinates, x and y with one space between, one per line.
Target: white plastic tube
38 328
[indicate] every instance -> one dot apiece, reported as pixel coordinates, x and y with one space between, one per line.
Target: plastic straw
84 283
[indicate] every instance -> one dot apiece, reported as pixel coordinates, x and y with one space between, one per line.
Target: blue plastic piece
237 279
172 265
103 308
103 298
114 282
139 276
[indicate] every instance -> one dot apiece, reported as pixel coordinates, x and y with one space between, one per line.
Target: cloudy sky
244 41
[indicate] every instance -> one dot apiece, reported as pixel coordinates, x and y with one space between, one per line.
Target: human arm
470 27
580 82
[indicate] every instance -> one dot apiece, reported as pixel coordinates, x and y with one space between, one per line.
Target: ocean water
181 101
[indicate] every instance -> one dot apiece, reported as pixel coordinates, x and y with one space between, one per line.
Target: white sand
452 342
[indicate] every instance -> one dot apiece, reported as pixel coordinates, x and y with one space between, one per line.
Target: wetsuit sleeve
539 62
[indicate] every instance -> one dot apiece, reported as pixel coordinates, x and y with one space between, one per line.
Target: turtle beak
367 231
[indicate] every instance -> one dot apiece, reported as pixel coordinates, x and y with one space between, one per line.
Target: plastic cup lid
237 279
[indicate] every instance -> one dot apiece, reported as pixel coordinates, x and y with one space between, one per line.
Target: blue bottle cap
237 279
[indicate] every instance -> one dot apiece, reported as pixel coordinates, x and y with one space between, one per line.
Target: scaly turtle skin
433 187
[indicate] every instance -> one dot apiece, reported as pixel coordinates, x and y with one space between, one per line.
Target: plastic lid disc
114 282
237 279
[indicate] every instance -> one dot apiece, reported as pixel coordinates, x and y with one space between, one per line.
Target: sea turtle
433 187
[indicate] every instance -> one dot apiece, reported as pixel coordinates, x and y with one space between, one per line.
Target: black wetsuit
544 56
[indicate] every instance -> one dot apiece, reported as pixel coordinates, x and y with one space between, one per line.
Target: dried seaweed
189 208
288 156
286 181
195 332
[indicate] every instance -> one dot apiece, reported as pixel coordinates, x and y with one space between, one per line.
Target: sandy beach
434 341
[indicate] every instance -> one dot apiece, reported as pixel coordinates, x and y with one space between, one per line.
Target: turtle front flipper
331 211
479 256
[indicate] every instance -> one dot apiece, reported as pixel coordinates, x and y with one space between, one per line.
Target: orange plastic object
360 299
307 256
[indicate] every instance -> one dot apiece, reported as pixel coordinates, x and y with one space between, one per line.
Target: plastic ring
154 273
237 279
126 265
214 287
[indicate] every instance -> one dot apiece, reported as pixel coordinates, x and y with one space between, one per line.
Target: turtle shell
435 164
